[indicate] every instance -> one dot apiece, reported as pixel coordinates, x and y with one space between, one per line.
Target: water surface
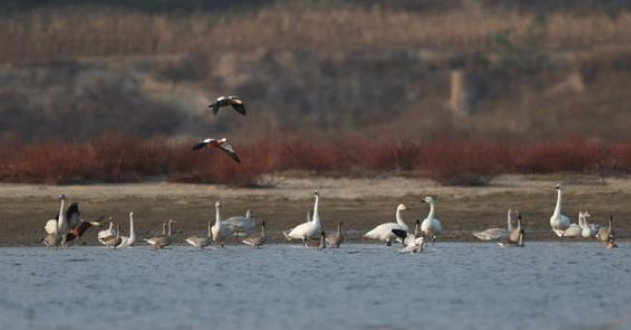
449 286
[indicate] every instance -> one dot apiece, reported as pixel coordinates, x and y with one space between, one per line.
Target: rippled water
450 286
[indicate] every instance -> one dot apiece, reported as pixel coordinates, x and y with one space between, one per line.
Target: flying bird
221 144
224 101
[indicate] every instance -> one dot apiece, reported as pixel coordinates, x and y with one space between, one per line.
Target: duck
493 234
231 100
321 244
129 241
201 241
220 232
257 241
83 226
411 242
431 226
160 241
241 226
222 144
559 222
336 239
605 232
384 233
611 244
113 240
308 229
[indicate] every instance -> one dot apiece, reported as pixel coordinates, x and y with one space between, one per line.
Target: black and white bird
224 101
221 144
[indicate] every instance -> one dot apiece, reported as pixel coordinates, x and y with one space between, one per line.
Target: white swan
219 231
257 240
559 222
411 242
241 226
201 241
383 232
57 229
129 241
308 229
431 226
106 233
493 234
588 230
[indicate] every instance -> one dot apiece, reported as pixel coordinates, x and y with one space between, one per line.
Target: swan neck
210 230
316 215
62 215
431 211
132 233
510 221
169 225
217 217
399 217
339 228
262 231
557 208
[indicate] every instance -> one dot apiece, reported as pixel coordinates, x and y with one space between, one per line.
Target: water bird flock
67 225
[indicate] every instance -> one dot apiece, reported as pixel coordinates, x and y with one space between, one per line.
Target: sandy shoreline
360 203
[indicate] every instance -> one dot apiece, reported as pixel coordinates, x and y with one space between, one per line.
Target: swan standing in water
129 241
308 229
383 232
411 242
587 230
493 234
559 222
160 241
431 226
202 241
57 229
336 238
220 232
113 240
241 226
604 233
257 240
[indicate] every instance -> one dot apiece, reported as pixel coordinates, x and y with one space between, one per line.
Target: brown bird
336 238
224 101
256 240
222 144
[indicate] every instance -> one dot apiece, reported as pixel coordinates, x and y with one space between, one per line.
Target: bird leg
388 243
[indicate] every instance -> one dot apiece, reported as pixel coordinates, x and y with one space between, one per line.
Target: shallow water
449 286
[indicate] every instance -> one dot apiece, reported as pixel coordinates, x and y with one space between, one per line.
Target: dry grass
75 32
470 162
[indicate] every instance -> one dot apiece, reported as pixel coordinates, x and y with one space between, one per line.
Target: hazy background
506 70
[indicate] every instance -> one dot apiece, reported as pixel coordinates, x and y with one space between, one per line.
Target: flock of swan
68 226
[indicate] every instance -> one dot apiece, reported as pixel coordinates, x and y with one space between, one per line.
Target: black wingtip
198 146
400 233
236 158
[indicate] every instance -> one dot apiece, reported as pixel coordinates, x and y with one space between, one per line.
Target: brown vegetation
471 162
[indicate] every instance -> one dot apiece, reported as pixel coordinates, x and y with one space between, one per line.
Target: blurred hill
419 69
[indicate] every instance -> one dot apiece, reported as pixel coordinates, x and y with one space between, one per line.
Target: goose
129 241
223 101
222 144
241 226
160 241
113 240
219 231
308 229
493 234
411 242
611 244
431 226
587 230
514 235
201 241
110 231
383 232
336 238
256 240
604 233
321 244
511 243
559 222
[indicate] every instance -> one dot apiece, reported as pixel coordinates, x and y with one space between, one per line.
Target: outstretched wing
230 151
238 105
199 145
